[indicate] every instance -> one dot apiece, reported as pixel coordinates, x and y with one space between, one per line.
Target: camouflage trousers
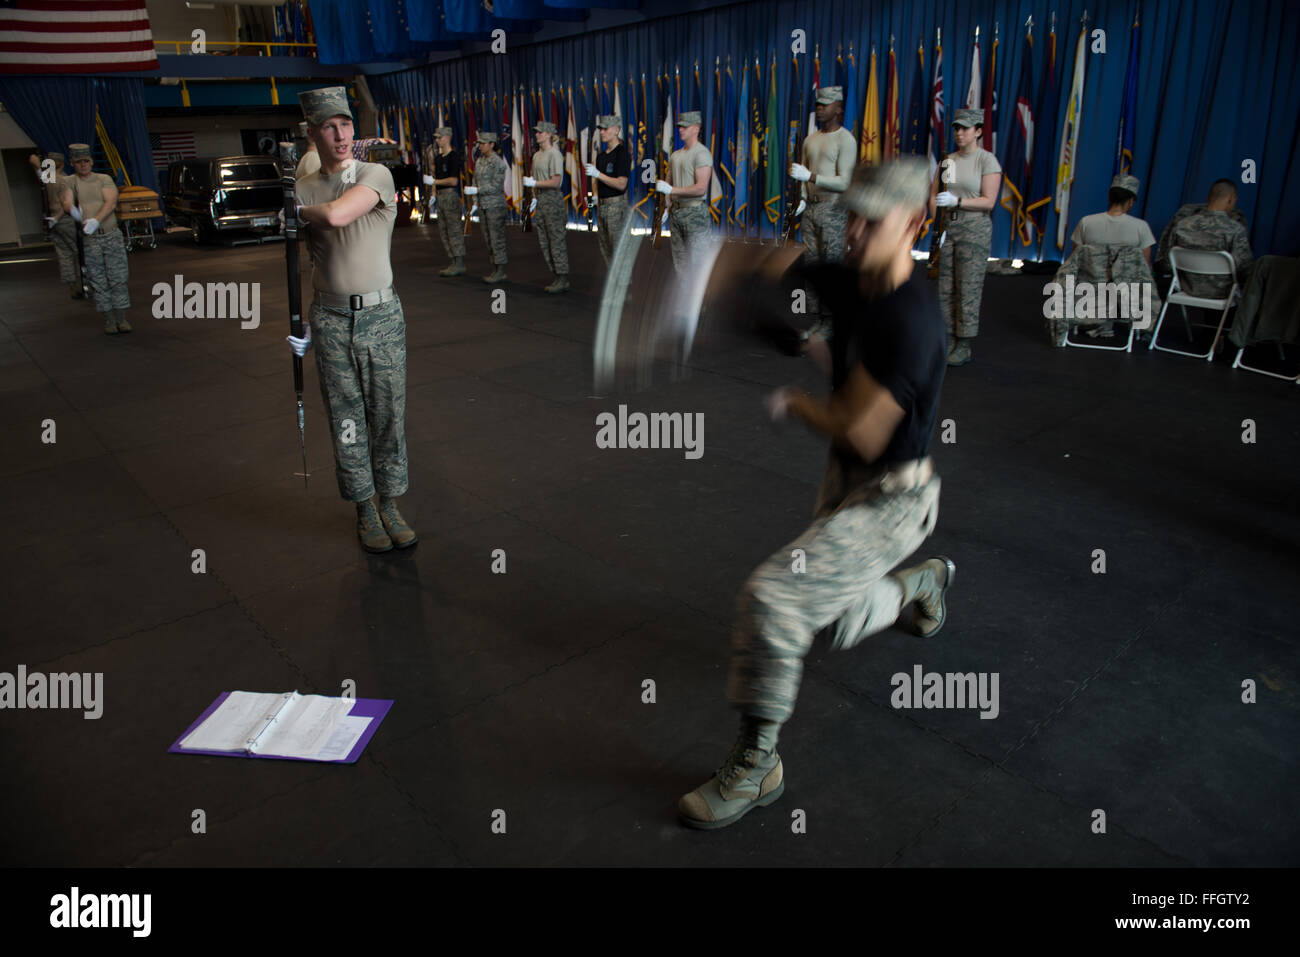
493 219
361 363
688 227
833 579
823 242
106 269
963 262
450 226
551 222
64 236
611 214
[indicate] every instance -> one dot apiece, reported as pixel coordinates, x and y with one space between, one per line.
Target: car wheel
204 231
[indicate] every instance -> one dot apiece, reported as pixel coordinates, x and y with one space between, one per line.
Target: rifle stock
660 199
592 195
794 189
941 217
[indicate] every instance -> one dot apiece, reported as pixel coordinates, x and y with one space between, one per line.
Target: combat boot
110 323
561 284
122 324
752 776
457 267
927 584
960 354
498 275
401 534
370 529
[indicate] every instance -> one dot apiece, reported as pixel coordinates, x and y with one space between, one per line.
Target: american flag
75 36
169 147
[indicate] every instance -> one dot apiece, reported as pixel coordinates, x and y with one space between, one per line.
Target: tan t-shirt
53 204
831 156
967 173
548 163
683 164
308 163
1103 229
352 259
89 193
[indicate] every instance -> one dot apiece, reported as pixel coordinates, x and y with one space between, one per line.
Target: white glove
75 211
471 190
801 173
778 403
529 181
945 199
297 346
90 227
532 206
591 169
799 212
664 187
428 180
50 221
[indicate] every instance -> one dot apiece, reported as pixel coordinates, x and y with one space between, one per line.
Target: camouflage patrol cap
830 94
875 190
320 105
689 118
57 157
609 119
79 151
545 126
969 118
443 131
485 137
1125 181
302 128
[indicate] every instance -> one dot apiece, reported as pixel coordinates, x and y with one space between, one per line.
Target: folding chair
1109 255
1238 364
1202 262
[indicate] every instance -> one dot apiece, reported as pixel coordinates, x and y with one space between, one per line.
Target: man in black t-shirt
445 180
879 498
610 170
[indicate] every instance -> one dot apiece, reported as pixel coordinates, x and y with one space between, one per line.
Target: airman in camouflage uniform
443 166
689 221
356 320
963 260
547 181
62 228
829 156
1217 224
90 199
608 169
489 191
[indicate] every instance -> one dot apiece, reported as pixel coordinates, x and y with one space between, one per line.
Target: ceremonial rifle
794 190
941 216
288 164
593 197
528 208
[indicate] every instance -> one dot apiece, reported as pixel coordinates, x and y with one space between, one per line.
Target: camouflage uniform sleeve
1241 252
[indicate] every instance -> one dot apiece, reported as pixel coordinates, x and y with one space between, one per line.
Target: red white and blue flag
75 36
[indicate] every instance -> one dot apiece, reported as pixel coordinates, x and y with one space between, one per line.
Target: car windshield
243 172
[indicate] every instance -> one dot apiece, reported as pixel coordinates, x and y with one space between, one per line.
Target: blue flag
918 114
1017 166
1043 181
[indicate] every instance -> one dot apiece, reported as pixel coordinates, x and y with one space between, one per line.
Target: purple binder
376 708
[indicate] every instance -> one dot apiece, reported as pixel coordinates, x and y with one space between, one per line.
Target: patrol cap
875 190
969 118
1125 181
545 126
320 105
302 128
609 119
689 118
79 151
57 157
830 94
443 131
485 137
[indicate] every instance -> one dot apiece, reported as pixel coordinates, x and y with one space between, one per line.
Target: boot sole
764 801
943 597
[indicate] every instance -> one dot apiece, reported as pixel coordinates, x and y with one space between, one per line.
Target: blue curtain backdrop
121 107
1216 85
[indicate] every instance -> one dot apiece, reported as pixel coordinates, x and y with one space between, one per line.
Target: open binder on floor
287 727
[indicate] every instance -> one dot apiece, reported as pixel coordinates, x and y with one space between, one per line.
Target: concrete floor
522 692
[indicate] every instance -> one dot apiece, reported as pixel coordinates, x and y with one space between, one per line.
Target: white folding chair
1202 262
1074 329
1238 364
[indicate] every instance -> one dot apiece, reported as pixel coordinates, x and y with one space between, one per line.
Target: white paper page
340 744
237 719
305 729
